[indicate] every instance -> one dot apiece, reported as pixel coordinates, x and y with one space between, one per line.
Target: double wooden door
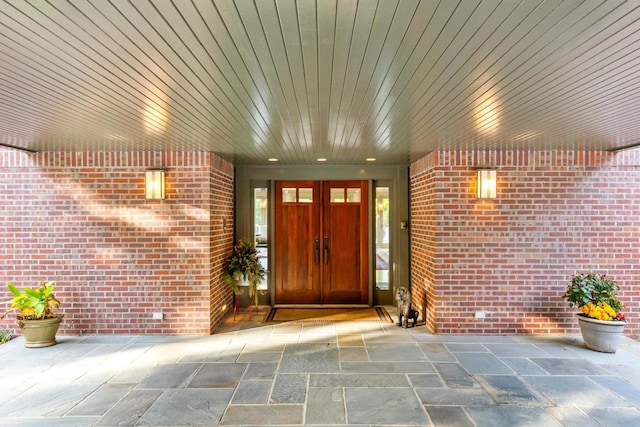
321 242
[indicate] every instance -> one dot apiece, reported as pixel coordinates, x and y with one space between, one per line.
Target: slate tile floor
339 374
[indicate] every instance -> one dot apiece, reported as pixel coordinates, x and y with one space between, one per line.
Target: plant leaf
13 289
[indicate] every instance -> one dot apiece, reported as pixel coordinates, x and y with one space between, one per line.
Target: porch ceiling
345 80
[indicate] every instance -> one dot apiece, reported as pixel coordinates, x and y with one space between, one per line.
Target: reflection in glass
260 218
337 195
382 238
353 195
288 195
305 195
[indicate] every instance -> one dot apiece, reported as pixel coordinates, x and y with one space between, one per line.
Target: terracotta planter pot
601 335
40 333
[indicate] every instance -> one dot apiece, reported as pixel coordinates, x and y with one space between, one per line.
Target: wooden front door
321 242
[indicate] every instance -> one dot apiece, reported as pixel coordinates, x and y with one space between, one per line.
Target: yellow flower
601 311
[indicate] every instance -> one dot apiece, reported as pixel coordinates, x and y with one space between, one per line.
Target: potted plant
37 313
244 267
601 319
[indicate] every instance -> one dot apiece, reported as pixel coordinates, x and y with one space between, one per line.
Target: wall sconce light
154 184
487 183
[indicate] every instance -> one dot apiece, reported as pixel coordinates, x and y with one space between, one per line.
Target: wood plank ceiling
345 80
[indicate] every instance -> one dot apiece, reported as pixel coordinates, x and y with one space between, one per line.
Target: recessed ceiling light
273 159
371 159
322 159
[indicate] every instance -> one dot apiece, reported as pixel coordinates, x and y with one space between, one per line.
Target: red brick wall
556 213
422 206
221 238
82 220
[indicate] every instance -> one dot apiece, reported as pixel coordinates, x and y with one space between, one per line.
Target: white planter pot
601 335
244 291
242 282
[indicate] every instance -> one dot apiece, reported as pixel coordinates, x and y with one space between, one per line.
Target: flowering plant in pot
37 316
600 310
595 295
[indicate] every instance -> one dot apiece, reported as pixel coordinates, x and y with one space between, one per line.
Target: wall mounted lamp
487 183
154 184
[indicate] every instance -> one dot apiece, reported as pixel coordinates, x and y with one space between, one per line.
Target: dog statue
405 311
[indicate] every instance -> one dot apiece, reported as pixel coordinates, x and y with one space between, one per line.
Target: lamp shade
154 184
487 183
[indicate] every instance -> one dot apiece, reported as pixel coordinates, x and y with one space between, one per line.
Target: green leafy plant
33 304
4 335
243 263
595 295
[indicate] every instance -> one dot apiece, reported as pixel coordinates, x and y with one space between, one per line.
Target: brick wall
82 220
422 206
556 213
221 238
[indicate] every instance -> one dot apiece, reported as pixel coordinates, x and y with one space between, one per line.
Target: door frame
396 177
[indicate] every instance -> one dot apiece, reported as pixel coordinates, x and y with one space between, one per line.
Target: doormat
312 315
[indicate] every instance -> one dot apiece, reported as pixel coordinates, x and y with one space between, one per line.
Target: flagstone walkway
321 374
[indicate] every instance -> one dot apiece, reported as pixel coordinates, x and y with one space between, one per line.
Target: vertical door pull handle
316 247
326 250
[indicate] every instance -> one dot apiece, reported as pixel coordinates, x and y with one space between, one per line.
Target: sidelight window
382 238
260 218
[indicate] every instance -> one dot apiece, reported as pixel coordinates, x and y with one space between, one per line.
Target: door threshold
321 305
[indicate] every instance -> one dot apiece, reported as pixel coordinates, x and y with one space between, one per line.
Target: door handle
326 250
316 247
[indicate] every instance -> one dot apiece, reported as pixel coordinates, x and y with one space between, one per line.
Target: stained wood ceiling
345 80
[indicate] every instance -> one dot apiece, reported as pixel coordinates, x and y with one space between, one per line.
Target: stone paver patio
319 374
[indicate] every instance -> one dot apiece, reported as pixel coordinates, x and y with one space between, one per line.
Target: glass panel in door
261 236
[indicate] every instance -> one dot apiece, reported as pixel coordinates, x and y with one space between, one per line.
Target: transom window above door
345 195
297 195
